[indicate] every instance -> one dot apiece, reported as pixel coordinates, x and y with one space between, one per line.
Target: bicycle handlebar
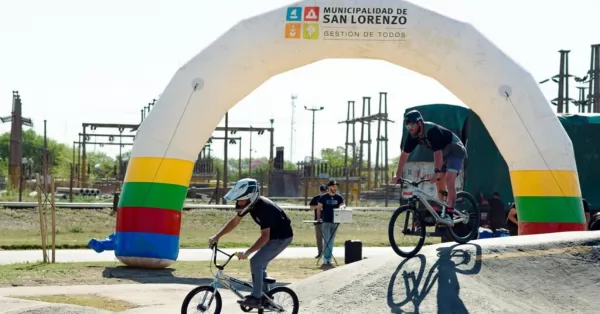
215 249
415 183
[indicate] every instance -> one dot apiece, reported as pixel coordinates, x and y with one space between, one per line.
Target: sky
76 61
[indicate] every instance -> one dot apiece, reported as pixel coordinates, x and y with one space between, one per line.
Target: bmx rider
275 233
449 154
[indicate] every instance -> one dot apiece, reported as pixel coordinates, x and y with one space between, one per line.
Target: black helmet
412 116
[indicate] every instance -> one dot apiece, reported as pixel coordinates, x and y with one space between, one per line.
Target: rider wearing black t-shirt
275 232
448 155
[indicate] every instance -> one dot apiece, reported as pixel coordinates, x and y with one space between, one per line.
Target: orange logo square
293 30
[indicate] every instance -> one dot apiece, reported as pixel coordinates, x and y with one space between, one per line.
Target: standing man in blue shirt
327 203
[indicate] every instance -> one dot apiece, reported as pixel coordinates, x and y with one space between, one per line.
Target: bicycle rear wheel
412 224
466 204
202 308
284 290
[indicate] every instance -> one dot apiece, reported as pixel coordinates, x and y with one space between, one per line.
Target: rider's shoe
250 301
448 219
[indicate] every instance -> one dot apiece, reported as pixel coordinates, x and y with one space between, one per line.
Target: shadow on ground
444 271
163 276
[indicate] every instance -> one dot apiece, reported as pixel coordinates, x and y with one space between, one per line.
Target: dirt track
527 274
483 277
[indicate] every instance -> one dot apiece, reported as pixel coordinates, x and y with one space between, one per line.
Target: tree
59 154
101 165
335 156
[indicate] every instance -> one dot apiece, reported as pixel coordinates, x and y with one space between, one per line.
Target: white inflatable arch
536 148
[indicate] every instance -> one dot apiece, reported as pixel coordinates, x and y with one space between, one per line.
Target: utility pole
312 152
294 97
225 165
16 139
250 155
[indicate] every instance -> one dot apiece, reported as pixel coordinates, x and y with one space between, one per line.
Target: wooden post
39 199
71 178
53 208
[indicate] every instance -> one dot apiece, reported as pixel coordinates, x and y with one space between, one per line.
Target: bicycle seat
444 192
270 280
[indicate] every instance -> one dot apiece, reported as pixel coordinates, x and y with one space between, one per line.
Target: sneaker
448 219
251 302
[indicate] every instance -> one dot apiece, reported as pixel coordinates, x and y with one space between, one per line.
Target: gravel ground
539 277
545 274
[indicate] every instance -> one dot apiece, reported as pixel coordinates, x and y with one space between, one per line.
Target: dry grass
196 273
19 229
96 301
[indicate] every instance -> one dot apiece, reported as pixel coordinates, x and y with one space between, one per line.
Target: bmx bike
463 228
227 281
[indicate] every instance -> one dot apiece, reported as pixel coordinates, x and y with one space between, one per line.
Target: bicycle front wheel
280 301
407 222
467 205
208 296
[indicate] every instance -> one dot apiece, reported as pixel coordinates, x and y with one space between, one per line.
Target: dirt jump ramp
551 273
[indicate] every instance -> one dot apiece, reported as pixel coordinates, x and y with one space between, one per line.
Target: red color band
526 228
149 220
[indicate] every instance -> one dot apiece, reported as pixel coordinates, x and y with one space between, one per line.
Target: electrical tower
562 78
294 97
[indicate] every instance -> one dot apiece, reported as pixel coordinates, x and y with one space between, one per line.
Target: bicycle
410 227
227 282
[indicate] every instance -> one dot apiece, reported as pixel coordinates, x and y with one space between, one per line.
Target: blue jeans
260 261
328 235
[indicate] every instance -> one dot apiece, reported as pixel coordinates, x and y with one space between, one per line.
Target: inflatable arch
536 148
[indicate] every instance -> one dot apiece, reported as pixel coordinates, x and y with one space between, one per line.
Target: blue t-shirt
329 202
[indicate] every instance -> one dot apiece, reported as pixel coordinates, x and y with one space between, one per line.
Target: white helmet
244 189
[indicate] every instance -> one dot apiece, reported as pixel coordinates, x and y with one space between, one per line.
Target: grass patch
19 229
195 273
95 301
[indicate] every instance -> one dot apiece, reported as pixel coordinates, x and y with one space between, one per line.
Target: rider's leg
453 168
258 265
441 185
451 186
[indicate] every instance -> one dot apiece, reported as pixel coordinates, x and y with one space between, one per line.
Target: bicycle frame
227 281
425 198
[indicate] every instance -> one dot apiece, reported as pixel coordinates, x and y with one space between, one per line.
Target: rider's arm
436 138
266 222
410 145
231 224
260 242
438 159
401 162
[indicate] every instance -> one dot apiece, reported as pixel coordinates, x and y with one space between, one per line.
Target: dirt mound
554 273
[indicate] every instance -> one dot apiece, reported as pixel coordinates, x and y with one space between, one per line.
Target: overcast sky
82 61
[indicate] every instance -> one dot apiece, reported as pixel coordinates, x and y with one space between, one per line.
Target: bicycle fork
212 297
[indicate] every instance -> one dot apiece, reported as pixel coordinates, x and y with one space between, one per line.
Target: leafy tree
59 154
335 156
3 166
101 165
